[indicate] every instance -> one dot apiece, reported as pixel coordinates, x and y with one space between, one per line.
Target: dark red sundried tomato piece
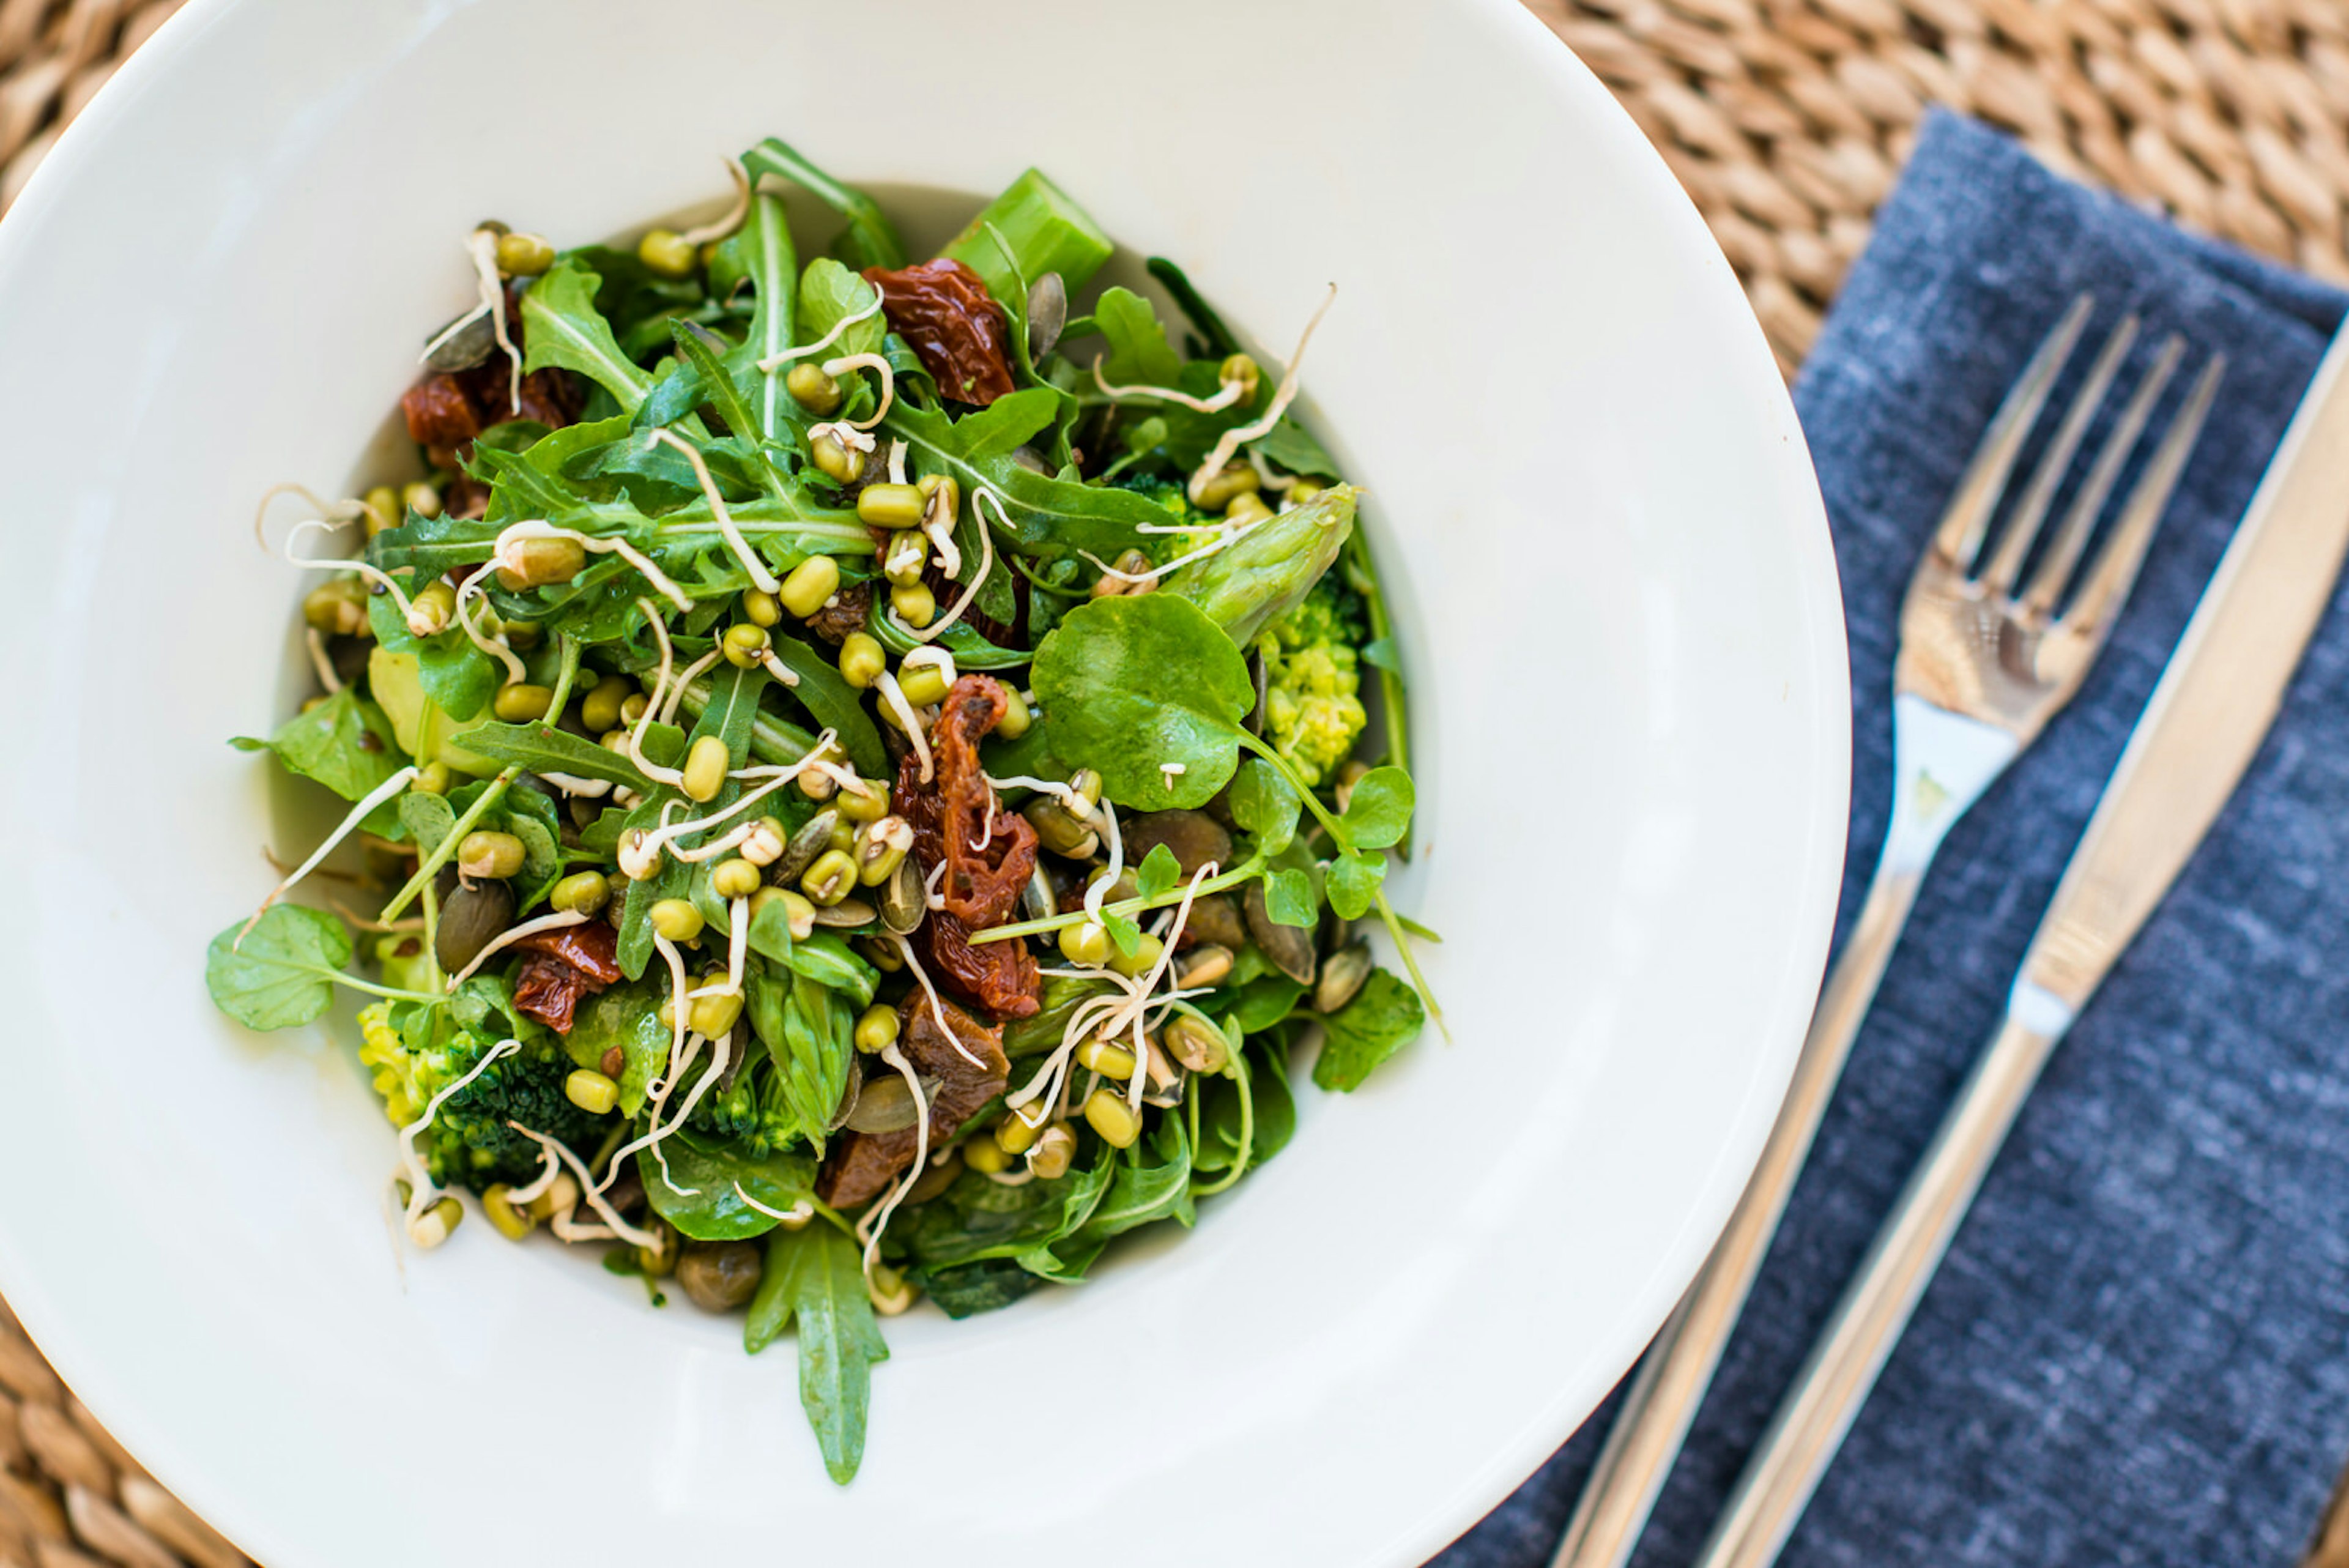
971 1070
958 331
989 853
562 967
440 413
1002 977
593 947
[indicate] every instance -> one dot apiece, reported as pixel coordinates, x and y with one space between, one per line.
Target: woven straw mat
1785 119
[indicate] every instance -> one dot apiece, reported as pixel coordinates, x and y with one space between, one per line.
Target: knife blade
2213 706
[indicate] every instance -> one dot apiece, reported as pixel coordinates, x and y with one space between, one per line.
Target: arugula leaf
1384 1016
1159 872
1138 350
772 262
970 650
1052 516
562 326
834 703
1353 883
1266 803
830 294
1215 338
1378 813
1290 899
816 1276
543 749
283 971
870 239
977 1218
712 1169
1131 683
1142 1194
346 744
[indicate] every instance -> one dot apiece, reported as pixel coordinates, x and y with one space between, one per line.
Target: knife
2207 717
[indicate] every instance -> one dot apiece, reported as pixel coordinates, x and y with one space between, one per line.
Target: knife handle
1669 1385
1810 1425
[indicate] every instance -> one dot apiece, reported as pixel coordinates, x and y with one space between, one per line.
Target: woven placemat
1787 120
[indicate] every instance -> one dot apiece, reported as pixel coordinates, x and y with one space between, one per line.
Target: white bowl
1620 607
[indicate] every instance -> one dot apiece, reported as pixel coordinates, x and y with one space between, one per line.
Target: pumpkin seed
903 904
1290 948
1342 977
1047 313
848 912
809 841
464 347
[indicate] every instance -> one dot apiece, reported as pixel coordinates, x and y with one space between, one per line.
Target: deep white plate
1626 649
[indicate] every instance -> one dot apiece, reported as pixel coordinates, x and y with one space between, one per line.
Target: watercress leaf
543 749
563 326
870 239
816 1276
429 817
1290 899
1264 1001
1139 354
829 295
1158 872
1266 803
1384 1016
1353 882
1122 931
834 705
282 972
1378 813
628 1017
458 678
1292 447
1133 682
345 742
698 1185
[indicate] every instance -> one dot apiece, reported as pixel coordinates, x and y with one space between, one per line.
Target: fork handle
1810 1426
1679 1363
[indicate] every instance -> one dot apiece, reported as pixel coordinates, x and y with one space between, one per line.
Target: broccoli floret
748 1111
469 1143
1313 710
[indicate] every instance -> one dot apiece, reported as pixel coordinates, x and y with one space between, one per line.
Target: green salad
863 773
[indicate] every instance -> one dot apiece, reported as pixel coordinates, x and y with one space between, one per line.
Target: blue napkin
2138 1351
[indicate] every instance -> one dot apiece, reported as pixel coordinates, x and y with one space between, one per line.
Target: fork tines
1963 536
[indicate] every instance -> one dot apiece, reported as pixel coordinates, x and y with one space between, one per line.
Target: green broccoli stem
1247 870
430 867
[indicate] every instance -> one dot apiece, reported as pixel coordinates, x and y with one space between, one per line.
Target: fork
1982 669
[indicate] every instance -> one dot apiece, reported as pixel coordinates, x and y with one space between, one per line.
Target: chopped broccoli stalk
1313 710
469 1143
1041 230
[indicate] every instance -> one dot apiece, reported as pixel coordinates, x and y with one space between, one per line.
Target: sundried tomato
971 1069
989 853
562 967
1002 977
439 414
957 330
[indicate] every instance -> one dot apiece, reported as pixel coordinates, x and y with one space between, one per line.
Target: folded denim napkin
2138 1351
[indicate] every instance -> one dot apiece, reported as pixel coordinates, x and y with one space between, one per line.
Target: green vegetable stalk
1269 570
